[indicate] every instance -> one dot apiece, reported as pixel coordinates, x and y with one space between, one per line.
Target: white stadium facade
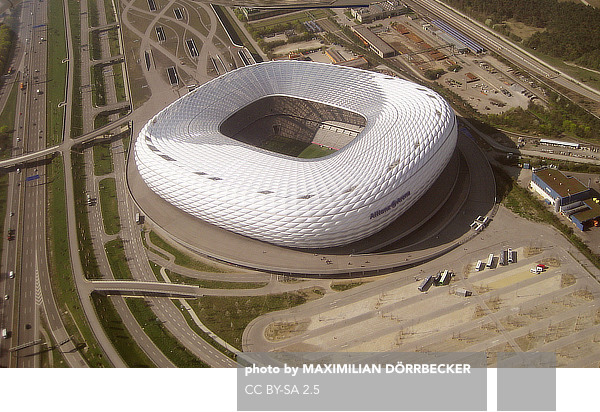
409 135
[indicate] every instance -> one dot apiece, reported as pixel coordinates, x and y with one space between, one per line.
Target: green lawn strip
110 11
95 47
75 64
340 287
109 205
115 252
124 343
314 150
162 338
212 284
56 73
92 13
61 275
7 123
523 203
205 336
228 316
181 258
113 42
156 270
151 249
98 88
58 360
119 82
100 120
86 249
103 164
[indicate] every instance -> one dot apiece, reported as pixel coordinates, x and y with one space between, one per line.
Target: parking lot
511 309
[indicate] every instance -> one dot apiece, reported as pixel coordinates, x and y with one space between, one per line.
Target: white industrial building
409 136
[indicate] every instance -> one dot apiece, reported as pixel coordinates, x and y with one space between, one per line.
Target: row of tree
6 38
572 30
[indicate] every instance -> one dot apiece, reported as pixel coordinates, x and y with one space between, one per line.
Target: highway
28 216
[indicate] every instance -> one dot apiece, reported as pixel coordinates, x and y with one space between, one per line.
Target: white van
4 333
11 274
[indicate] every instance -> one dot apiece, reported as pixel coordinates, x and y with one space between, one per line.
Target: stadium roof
409 137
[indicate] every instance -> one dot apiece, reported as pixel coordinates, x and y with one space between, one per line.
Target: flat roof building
374 41
568 195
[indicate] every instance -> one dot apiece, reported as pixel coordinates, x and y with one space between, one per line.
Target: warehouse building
375 43
569 197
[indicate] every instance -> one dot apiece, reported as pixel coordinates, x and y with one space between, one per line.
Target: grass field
212 284
128 349
162 338
109 204
295 148
110 11
588 77
59 262
286 146
314 151
7 122
115 252
100 120
228 316
340 287
56 73
119 81
86 250
181 258
99 87
75 64
102 159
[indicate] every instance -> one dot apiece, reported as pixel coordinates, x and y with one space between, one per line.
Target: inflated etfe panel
409 137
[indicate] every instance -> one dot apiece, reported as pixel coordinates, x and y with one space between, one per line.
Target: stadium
211 152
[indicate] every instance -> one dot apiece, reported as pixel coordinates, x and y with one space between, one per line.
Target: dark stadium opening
294 127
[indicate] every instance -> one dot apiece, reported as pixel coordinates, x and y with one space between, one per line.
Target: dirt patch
581 348
583 294
494 304
550 262
567 279
531 340
512 322
311 293
278 331
461 341
492 353
481 289
479 312
531 251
